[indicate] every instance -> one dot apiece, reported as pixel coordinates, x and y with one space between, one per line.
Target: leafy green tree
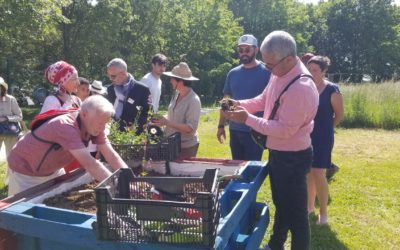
204 33
26 27
359 36
260 17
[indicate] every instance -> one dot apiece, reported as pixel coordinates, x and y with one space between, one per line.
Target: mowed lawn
364 204
364 196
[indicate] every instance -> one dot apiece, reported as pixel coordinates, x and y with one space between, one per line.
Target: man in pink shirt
33 161
288 135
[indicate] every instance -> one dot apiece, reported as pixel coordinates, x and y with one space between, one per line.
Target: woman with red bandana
65 77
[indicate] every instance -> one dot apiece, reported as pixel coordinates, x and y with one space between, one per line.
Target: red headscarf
59 73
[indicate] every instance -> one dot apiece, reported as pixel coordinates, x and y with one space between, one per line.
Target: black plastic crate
166 210
167 149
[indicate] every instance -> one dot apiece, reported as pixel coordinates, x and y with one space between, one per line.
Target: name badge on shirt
130 100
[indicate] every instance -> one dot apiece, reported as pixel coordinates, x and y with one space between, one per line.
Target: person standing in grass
153 79
9 112
243 82
183 111
288 135
333 168
330 113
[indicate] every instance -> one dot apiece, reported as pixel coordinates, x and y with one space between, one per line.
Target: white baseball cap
248 40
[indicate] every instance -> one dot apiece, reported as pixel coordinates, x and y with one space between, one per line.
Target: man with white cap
183 111
243 82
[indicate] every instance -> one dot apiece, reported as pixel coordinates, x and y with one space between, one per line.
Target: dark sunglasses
244 50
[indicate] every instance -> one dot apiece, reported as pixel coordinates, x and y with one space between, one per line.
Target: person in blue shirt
245 81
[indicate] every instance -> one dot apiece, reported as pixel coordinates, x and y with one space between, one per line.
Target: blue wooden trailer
29 226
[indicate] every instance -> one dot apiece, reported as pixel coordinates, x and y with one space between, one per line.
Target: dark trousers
287 175
243 147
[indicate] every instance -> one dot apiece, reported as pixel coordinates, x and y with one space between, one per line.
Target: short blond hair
97 104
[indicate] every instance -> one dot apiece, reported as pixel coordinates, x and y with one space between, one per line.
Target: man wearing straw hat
183 111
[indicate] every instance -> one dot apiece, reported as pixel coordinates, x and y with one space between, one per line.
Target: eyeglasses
114 75
244 50
270 68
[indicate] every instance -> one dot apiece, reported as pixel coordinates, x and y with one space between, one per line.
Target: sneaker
322 220
330 172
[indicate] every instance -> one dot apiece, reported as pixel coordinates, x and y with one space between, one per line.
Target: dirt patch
82 198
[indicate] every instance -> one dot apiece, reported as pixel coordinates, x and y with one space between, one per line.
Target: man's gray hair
118 63
97 104
280 43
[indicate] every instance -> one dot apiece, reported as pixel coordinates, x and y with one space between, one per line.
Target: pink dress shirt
293 123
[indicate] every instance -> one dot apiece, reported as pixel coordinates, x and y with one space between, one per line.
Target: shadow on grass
322 237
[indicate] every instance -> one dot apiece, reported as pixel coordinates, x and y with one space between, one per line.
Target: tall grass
372 105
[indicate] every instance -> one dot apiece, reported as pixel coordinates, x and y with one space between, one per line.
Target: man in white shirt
152 79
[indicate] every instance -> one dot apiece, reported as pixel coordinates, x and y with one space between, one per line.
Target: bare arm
111 156
93 166
338 108
181 127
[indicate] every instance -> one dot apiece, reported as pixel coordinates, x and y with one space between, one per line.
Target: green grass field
364 195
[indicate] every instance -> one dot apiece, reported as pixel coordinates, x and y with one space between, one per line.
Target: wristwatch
221 126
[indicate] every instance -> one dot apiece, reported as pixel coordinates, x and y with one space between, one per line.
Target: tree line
359 36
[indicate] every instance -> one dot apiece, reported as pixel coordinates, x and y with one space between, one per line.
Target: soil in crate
82 198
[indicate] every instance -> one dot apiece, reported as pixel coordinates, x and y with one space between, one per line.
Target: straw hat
3 83
182 71
97 87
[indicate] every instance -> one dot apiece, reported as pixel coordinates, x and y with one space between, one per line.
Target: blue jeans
287 174
243 147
